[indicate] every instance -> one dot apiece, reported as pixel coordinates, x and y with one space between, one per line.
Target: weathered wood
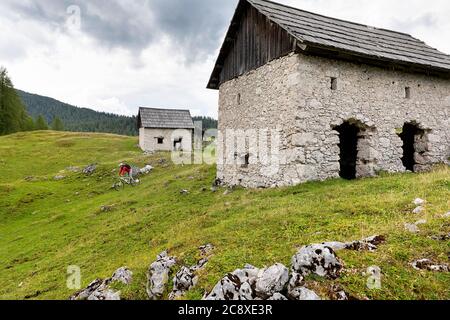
256 41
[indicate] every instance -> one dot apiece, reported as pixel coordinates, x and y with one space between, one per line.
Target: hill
47 225
78 119
86 120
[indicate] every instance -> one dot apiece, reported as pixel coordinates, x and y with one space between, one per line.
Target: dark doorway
178 144
348 136
409 133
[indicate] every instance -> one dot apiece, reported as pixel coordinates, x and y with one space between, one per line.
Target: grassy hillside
47 225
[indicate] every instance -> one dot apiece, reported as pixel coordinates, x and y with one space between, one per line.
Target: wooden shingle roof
315 32
165 119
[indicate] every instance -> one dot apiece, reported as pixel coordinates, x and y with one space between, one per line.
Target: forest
23 111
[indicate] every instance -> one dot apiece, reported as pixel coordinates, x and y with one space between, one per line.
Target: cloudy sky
122 54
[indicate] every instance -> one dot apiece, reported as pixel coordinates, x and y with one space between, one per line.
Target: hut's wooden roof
316 33
165 119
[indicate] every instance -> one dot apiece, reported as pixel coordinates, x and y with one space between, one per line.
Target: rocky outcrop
426 264
317 259
370 244
277 283
90 169
158 275
250 283
100 289
272 280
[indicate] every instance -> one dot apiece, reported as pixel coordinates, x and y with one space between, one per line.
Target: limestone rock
59 178
426 264
411 228
206 249
302 293
100 289
146 170
123 275
272 280
104 295
418 210
317 259
88 291
442 237
278 297
158 275
370 244
90 169
419 202
227 289
237 285
184 280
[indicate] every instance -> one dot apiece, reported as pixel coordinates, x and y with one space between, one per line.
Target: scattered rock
237 285
272 280
304 294
442 237
423 221
184 281
106 208
278 297
100 289
410 227
341 296
90 169
123 275
206 249
317 259
104 295
419 202
426 264
73 169
447 215
158 275
337 293
184 191
418 210
370 244
59 178
146 170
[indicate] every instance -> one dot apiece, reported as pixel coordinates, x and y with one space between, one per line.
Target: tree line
22 111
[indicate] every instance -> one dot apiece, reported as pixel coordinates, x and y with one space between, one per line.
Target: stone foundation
295 98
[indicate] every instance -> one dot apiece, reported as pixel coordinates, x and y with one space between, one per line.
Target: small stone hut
346 99
165 130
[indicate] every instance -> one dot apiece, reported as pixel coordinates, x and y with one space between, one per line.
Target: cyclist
126 170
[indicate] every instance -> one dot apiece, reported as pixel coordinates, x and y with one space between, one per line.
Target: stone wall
293 95
148 139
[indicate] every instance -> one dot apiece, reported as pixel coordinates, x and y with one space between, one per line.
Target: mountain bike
121 182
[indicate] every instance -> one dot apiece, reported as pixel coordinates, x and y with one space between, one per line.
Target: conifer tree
41 124
57 124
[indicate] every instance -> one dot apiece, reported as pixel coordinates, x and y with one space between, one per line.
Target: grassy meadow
48 225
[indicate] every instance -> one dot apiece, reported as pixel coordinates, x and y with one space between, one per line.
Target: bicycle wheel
119 185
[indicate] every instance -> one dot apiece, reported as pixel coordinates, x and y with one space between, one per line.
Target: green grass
47 225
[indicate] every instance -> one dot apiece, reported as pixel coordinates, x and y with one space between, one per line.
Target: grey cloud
195 26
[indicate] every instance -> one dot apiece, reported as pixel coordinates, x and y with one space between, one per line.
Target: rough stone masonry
307 100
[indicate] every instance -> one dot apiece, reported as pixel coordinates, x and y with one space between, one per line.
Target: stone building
337 98
165 130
